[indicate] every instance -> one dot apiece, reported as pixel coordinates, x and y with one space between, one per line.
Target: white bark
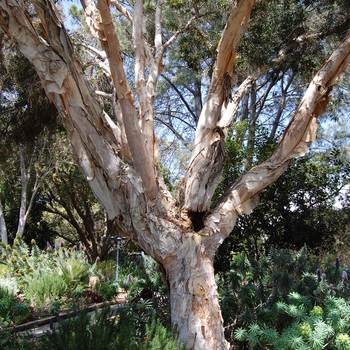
25 176
25 205
3 229
207 160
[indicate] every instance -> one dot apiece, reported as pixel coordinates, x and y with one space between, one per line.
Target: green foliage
46 276
165 172
105 330
158 337
297 209
13 310
11 340
74 272
107 290
55 307
82 332
46 288
280 303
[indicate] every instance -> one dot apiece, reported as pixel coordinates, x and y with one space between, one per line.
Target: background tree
120 160
28 121
70 208
301 207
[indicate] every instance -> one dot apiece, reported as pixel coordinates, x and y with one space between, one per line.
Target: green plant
13 309
278 302
55 307
47 275
47 287
108 291
158 337
82 332
307 327
74 272
10 340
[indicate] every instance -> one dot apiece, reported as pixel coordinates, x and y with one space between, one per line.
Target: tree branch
182 30
208 157
141 158
104 94
140 81
227 48
173 130
122 10
230 112
180 95
242 196
158 38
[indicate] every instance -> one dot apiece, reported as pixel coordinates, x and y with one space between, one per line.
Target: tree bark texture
3 229
182 235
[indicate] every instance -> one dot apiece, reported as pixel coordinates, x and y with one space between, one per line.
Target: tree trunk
3 229
194 299
26 207
24 184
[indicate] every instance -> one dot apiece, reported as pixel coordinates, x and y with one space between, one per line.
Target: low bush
45 276
278 302
13 308
105 330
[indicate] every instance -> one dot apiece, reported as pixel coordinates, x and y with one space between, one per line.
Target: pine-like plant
280 303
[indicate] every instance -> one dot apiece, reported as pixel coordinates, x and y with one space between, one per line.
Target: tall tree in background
120 158
26 127
70 208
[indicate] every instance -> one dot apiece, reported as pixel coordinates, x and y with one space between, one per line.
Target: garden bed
40 320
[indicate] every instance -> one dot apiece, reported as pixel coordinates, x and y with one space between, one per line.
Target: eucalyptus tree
120 158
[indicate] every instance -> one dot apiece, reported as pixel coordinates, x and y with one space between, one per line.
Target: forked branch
301 131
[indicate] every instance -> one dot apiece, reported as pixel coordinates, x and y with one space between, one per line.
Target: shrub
158 337
47 287
13 309
82 332
278 302
10 340
45 276
102 332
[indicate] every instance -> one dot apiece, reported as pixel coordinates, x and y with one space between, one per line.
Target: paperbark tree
119 160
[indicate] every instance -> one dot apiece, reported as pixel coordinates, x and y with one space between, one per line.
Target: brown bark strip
206 164
227 48
137 147
93 19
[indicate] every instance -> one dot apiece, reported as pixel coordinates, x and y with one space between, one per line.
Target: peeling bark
194 296
184 235
199 185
